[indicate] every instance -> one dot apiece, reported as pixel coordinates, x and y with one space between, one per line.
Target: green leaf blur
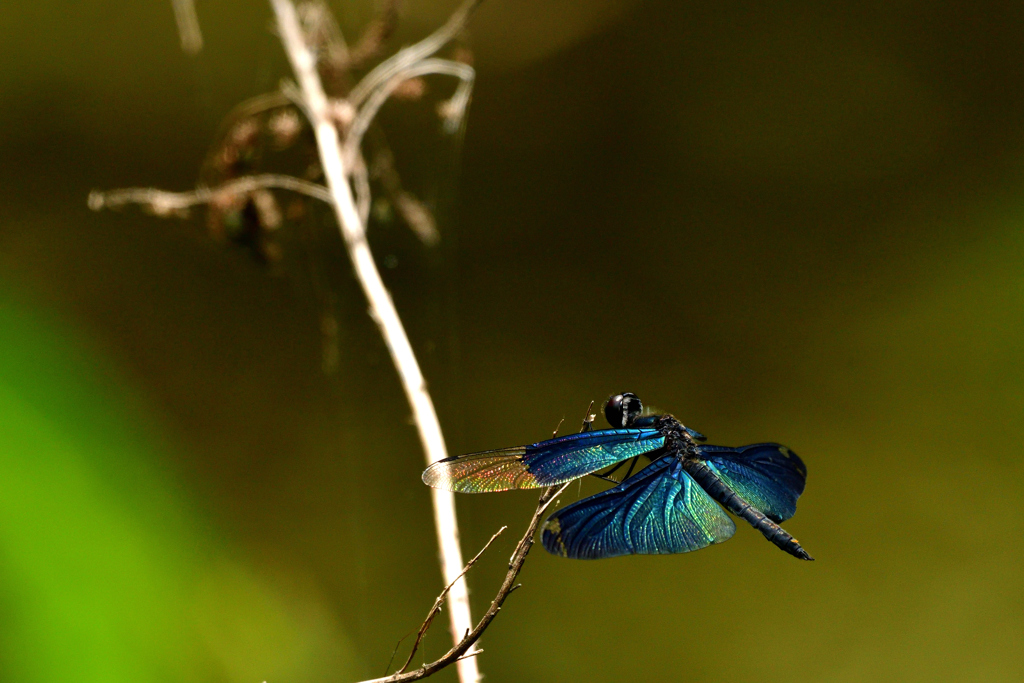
106 572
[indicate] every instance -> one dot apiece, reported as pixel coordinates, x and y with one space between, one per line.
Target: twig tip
95 202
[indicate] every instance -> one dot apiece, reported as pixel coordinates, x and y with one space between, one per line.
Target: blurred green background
791 222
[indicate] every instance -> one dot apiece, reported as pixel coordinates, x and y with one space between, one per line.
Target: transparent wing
659 511
541 464
769 476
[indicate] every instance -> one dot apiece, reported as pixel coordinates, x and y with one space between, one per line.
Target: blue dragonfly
674 505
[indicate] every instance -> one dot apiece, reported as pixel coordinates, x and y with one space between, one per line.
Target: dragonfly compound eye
622 409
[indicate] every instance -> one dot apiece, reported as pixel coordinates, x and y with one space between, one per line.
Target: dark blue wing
769 476
541 464
659 511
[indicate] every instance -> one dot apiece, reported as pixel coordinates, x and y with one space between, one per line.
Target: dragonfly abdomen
741 508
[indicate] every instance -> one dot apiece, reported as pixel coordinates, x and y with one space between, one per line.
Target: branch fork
352 227
339 126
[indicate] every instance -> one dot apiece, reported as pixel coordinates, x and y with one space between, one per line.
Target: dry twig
440 601
459 652
456 106
321 115
413 54
163 203
338 126
413 212
515 564
188 26
374 35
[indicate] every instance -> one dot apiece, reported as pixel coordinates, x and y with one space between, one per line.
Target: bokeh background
796 222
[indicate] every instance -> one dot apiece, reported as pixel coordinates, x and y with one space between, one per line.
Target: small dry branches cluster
461 649
267 130
349 157
243 208
460 652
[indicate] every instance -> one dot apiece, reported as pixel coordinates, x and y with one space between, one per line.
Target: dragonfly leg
612 470
607 475
632 464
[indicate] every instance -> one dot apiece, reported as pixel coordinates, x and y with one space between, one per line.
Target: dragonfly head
622 409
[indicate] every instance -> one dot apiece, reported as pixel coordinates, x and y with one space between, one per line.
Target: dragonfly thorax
678 438
624 411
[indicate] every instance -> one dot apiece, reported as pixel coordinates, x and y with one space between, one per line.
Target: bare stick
382 309
162 202
588 419
361 185
459 652
254 105
374 35
415 214
440 600
444 67
515 564
188 26
413 54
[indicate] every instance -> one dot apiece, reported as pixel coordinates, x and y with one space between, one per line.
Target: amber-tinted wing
547 463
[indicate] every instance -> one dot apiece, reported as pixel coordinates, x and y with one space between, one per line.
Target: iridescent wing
769 476
541 464
659 511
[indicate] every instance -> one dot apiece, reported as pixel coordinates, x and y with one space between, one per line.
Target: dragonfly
674 505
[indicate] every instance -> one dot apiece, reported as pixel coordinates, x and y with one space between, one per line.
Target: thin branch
322 33
415 214
291 91
515 564
247 109
377 31
162 202
440 600
252 106
443 67
413 54
383 311
361 187
188 26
